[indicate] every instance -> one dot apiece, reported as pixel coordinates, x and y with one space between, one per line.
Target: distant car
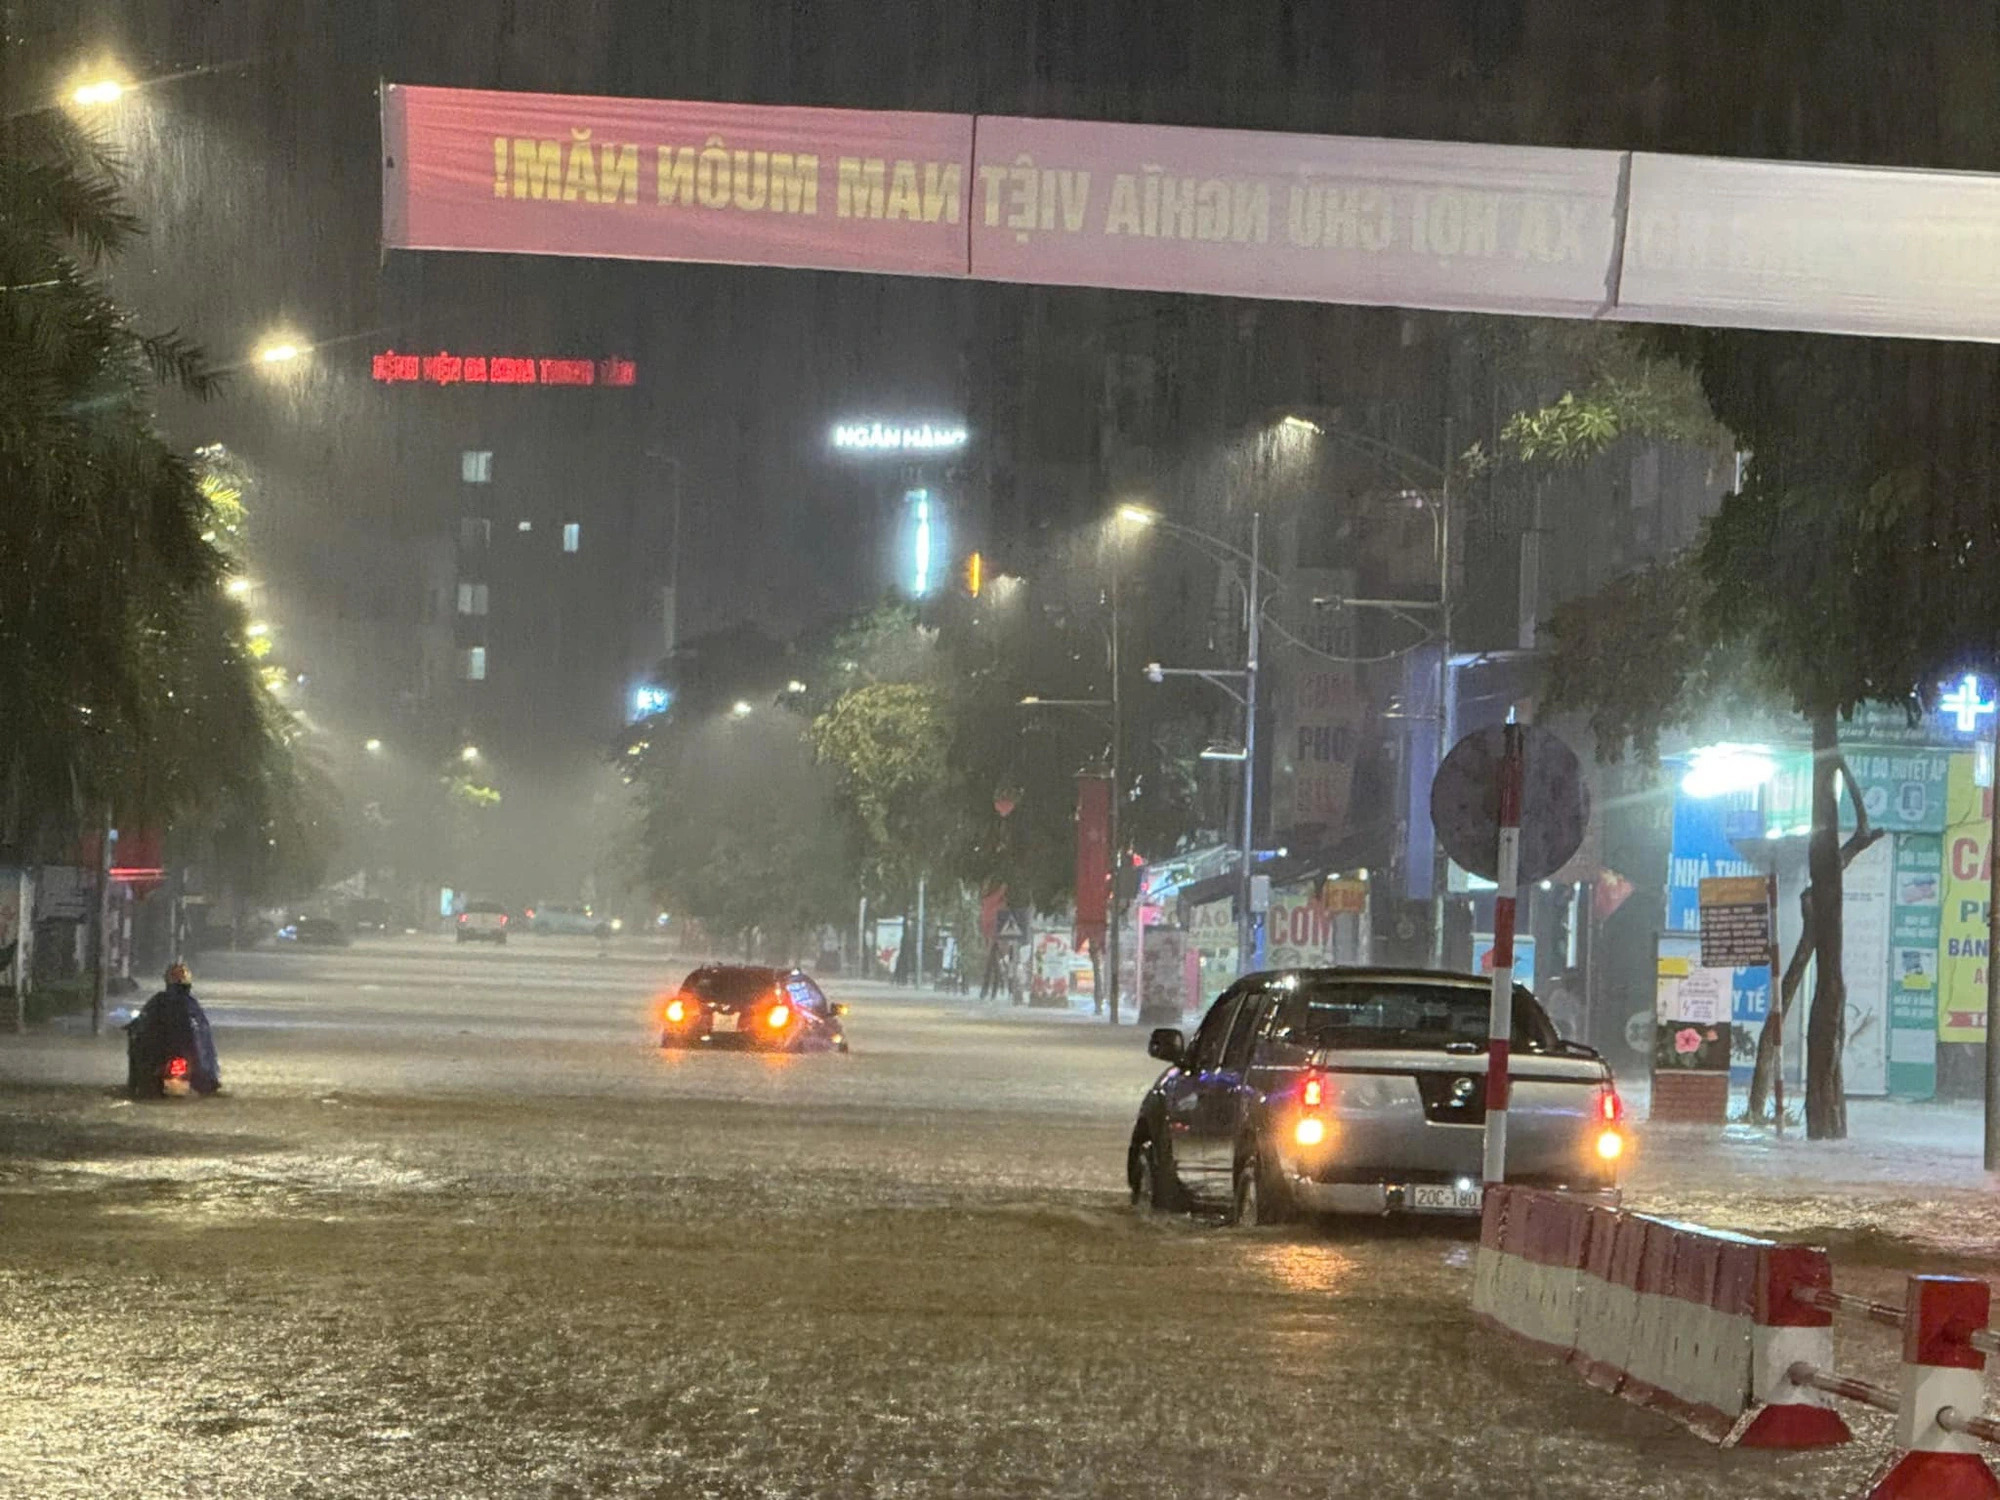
313 932
774 1010
368 914
1363 1091
483 922
568 921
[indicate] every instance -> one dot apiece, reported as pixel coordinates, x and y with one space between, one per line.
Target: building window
472 665
472 598
572 536
474 531
476 467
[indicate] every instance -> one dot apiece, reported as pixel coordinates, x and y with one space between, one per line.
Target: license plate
724 1020
1436 1198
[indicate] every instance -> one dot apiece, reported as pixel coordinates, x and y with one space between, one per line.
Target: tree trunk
1862 839
1770 1039
1826 1028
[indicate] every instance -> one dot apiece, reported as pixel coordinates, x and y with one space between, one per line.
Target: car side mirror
1168 1045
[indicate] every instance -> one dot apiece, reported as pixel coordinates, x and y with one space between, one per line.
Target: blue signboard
1702 849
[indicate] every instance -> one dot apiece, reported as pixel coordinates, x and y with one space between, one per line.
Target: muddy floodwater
458 1230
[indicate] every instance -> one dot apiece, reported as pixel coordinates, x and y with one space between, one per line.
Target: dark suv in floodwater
1363 1091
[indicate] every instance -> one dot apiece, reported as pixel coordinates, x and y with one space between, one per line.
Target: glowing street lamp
236 588
257 630
740 709
97 93
469 754
278 350
1137 515
373 747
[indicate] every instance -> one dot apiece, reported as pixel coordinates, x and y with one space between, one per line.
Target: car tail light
529 914
503 919
177 1067
464 917
1610 1108
778 1017
1313 1094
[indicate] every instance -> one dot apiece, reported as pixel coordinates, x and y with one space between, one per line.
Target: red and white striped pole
1500 1028
1943 1385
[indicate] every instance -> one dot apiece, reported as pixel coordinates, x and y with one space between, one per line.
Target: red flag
1093 858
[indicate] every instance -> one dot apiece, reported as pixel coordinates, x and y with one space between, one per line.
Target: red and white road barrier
1734 1336
1944 1321
1694 1323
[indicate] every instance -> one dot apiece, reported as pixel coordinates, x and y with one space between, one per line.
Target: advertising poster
1962 998
1913 964
1703 850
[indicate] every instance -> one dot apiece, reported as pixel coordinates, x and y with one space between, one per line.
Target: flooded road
458 1229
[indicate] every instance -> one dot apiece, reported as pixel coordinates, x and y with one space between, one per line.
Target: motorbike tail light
177 1067
1313 1094
777 1017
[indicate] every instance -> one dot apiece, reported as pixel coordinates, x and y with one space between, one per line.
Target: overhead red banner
1452 225
643 179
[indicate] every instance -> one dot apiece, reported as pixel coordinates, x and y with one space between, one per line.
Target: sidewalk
1910 1173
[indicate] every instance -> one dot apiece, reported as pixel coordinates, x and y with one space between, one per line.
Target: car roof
1382 972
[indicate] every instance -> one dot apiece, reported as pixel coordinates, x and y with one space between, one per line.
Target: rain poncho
172 1025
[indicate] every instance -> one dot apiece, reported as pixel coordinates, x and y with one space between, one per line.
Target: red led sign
442 368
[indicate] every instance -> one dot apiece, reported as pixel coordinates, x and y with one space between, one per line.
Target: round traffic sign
1555 803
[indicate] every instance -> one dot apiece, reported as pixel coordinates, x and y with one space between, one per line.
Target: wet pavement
458 1229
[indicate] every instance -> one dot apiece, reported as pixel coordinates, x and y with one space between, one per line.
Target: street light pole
1440 868
1246 920
1111 943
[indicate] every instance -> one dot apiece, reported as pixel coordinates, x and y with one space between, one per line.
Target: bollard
1791 1329
1942 1373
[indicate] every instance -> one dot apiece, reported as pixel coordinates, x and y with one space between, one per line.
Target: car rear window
1387 1014
486 908
730 986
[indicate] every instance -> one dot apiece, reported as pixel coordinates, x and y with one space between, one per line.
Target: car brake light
177 1067
529 914
503 919
1610 1108
1314 1092
777 1017
676 1012
464 917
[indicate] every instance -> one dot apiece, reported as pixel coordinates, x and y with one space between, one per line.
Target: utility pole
1111 934
1440 866
1246 920
1992 949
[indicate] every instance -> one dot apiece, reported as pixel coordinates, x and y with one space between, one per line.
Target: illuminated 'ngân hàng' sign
892 437
443 368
